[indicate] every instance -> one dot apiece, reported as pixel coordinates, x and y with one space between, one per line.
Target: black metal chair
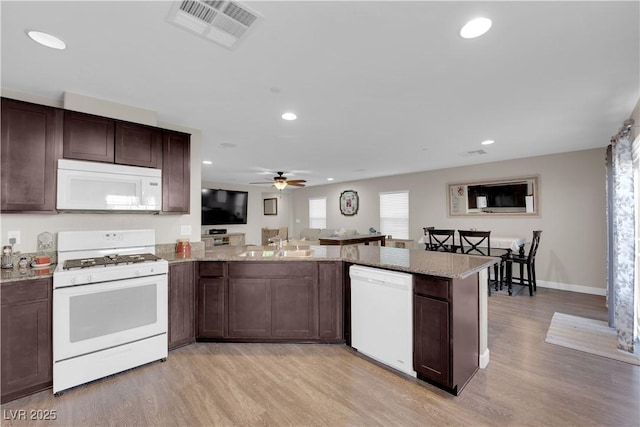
479 243
528 261
441 240
426 233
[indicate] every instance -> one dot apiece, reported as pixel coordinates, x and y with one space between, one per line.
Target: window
318 213
394 214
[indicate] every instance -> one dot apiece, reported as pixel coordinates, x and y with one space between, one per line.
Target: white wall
167 226
572 211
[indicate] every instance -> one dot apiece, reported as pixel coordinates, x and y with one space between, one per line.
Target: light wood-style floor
528 382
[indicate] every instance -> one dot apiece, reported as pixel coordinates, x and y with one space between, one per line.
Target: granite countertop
441 264
17 274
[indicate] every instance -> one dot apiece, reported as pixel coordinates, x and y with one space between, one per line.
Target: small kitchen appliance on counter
109 305
7 256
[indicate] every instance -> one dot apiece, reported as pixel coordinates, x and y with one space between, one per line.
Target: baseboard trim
572 288
483 360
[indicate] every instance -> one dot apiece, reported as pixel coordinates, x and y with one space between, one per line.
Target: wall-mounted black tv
221 207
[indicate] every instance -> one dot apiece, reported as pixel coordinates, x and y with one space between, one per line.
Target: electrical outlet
14 235
185 230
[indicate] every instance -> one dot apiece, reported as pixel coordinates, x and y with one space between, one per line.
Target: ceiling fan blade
295 181
295 184
266 182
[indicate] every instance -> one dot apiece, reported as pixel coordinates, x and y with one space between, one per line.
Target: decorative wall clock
349 202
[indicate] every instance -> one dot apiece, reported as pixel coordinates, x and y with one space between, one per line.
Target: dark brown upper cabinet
101 139
88 137
176 172
138 145
31 146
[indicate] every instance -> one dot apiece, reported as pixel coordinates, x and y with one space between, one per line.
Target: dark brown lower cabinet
270 301
181 305
294 305
445 330
431 341
27 359
330 300
273 300
212 297
249 308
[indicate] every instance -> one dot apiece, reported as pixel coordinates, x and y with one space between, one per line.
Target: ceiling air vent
472 153
223 22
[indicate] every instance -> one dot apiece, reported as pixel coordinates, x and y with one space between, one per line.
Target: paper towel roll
481 202
528 200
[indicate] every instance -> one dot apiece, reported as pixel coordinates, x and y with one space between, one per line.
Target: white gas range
109 305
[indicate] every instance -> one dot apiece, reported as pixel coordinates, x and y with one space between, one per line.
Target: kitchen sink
296 253
291 253
257 254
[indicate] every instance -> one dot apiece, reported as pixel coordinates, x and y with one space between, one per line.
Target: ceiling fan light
280 185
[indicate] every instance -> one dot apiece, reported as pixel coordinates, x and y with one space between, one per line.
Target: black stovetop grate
108 260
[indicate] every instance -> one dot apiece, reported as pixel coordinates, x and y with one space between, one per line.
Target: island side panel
464 329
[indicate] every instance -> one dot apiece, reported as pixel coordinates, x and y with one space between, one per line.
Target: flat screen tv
221 207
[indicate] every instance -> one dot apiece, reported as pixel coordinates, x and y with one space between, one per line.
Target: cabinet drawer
272 269
27 291
431 286
211 269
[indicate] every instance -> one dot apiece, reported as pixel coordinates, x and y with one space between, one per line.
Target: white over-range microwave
93 186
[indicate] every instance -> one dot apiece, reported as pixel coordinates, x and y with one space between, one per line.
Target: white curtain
621 218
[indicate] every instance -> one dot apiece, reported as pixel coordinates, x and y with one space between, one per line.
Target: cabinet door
176 172
31 146
138 145
294 308
88 137
27 360
431 339
249 308
181 305
330 300
211 307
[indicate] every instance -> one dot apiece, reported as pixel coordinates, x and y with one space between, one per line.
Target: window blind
394 214
318 213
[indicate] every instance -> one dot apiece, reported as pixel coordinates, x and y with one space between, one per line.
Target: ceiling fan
281 181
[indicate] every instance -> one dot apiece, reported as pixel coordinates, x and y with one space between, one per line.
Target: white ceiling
380 88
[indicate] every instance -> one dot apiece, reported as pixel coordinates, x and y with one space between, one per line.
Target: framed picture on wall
349 202
271 206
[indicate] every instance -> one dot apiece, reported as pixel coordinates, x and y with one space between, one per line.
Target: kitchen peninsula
303 295
251 294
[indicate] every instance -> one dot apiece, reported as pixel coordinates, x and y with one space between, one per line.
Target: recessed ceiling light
487 142
289 116
329 179
47 40
475 28
207 162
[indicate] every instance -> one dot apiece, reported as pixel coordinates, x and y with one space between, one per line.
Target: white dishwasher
382 316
